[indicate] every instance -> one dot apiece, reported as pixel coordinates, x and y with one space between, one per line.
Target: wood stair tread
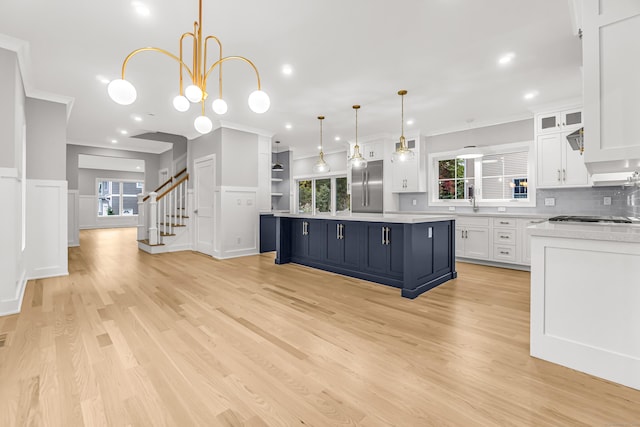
146 242
177 216
166 234
173 225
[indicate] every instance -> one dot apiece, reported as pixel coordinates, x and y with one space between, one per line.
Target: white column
153 219
142 227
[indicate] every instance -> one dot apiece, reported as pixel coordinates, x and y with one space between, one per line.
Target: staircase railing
167 182
159 214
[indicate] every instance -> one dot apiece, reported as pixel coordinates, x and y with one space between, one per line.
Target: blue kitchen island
413 253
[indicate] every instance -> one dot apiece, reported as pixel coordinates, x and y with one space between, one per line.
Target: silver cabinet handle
504 253
341 231
388 230
466 234
338 231
383 240
564 174
504 237
559 178
462 234
504 222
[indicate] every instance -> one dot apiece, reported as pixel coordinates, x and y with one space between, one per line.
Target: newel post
153 218
142 230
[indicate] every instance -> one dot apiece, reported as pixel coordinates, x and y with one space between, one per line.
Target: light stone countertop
400 219
587 231
482 214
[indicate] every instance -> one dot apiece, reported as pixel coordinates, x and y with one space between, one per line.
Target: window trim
333 176
514 147
122 196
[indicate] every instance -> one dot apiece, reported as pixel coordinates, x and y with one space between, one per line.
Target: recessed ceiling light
337 138
319 147
506 58
114 141
287 69
137 118
409 122
124 132
288 126
102 79
140 8
137 167
530 95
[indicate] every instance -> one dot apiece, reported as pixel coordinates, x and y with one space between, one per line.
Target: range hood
617 178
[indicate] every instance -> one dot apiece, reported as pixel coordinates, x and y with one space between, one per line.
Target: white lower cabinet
498 239
473 237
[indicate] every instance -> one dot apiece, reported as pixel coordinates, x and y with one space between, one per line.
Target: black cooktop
605 219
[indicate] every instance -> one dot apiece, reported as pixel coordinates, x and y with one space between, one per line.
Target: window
501 176
323 196
118 198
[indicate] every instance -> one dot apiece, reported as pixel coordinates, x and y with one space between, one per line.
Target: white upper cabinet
611 55
558 164
373 150
558 121
410 176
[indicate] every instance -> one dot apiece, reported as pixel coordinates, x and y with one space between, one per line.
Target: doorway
204 188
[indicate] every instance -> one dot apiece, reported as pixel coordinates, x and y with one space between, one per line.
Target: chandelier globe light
356 160
321 166
123 92
402 153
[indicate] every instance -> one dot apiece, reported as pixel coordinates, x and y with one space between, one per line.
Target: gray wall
46 139
87 179
10 84
304 166
206 145
151 163
239 158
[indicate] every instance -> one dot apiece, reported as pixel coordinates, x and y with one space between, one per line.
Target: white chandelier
124 93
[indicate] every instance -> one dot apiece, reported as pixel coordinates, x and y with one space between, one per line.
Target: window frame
530 201
333 177
121 195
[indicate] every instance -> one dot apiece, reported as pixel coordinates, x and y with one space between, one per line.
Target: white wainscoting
13 278
47 238
73 218
89 216
239 222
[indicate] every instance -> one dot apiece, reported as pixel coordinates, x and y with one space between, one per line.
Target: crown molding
22 51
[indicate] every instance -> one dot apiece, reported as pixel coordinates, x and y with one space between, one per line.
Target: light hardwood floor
181 339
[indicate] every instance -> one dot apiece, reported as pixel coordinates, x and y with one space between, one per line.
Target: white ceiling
444 52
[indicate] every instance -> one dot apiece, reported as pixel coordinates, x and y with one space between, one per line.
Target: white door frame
207 158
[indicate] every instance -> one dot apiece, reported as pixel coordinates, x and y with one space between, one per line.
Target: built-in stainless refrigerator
366 188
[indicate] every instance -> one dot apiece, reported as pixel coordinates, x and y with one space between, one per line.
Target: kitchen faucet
472 195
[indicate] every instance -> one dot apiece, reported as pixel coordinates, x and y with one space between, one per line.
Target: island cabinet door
299 241
317 238
384 249
335 245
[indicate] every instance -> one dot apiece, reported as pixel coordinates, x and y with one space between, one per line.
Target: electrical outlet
607 201
414 202
502 209
550 201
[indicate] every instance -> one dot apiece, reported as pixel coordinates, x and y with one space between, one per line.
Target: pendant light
321 166
402 153
357 161
277 166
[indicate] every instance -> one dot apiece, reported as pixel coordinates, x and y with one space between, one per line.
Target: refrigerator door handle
363 190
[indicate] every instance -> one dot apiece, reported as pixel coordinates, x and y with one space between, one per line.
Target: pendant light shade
356 160
321 166
402 153
277 166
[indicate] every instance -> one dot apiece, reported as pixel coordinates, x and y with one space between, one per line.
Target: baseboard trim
45 273
13 306
237 254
